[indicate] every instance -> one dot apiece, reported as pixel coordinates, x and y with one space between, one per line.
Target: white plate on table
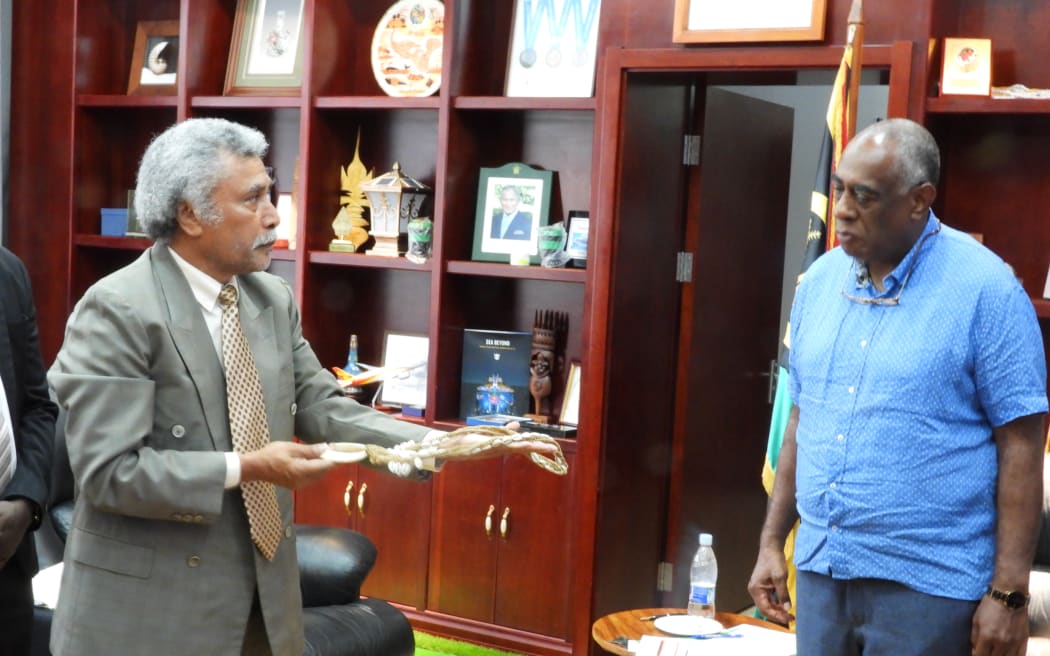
687 625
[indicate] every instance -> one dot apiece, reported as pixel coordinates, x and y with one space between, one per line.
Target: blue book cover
495 377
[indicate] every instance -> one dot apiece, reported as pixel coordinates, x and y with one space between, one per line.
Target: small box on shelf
114 221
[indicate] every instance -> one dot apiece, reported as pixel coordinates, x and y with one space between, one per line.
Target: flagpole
855 37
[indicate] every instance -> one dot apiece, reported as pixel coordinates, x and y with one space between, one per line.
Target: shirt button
834 529
287 531
840 437
833 485
177 431
193 561
294 408
863 343
851 389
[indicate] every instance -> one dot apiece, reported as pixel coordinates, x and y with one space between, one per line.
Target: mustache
265 239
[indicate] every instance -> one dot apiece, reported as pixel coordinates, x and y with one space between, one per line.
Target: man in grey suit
160 558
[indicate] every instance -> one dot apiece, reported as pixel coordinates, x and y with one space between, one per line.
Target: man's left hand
15 517
998 630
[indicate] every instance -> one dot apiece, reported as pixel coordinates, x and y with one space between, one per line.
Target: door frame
618 63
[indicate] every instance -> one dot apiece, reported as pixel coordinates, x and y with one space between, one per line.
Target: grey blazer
159 559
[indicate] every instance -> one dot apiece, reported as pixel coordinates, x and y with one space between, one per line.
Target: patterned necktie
248 425
7 449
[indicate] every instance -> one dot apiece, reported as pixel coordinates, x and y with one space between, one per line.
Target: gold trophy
350 224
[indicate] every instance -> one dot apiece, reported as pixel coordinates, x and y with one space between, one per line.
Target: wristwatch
1012 599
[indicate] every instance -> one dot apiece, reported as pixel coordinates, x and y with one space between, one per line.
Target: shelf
494 270
121 100
365 260
1042 307
986 105
123 243
376 102
502 102
247 102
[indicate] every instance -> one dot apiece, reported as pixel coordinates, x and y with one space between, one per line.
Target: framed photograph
155 58
410 387
576 242
266 52
553 49
570 405
717 21
513 202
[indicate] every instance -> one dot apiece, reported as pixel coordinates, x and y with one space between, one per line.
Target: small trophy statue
548 335
349 224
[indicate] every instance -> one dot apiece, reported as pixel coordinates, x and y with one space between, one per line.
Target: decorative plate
406 48
687 625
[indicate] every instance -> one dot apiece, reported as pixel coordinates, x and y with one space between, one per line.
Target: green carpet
429 645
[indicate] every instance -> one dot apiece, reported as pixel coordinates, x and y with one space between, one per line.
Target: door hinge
664 577
684 267
691 150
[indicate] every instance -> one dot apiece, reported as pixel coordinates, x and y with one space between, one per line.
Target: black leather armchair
333 563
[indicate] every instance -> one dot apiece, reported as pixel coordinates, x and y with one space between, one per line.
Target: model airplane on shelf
373 374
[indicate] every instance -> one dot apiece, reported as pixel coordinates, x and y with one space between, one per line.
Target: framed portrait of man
513 202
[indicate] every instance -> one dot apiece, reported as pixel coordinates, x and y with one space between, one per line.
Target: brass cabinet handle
361 499
488 521
346 498
504 524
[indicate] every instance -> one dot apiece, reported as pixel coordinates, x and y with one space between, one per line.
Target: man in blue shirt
913 454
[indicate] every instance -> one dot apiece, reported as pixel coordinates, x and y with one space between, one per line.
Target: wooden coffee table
628 624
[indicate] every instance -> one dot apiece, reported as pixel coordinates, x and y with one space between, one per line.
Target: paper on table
753 641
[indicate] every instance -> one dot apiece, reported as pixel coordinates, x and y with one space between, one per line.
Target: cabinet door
328 502
395 514
463 544
533 574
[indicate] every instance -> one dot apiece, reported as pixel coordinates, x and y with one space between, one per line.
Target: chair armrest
333 563
61 518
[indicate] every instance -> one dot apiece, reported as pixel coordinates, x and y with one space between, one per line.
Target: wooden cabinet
393 513
500 549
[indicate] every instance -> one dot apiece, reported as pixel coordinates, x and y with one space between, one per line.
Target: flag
840 125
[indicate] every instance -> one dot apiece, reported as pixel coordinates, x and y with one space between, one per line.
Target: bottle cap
705 539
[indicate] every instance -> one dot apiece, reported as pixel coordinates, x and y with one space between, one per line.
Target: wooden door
463 547
533 573
395 514
730 333
330 501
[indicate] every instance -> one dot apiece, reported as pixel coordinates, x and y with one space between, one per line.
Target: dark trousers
877 618
16 611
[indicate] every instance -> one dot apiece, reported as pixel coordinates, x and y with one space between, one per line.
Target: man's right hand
768 586
288 464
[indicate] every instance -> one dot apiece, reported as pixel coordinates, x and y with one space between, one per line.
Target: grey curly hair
184 163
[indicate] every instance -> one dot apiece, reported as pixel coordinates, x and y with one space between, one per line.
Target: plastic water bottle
703 575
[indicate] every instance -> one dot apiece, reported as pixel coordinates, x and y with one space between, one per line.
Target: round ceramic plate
687 625
406 48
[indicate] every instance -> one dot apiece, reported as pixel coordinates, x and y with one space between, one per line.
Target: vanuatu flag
840 126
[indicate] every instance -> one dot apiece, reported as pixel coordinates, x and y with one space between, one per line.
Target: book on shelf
495 375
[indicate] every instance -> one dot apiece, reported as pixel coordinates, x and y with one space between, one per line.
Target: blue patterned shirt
896 466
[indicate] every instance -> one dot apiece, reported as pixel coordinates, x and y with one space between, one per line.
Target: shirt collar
205 288
895 277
